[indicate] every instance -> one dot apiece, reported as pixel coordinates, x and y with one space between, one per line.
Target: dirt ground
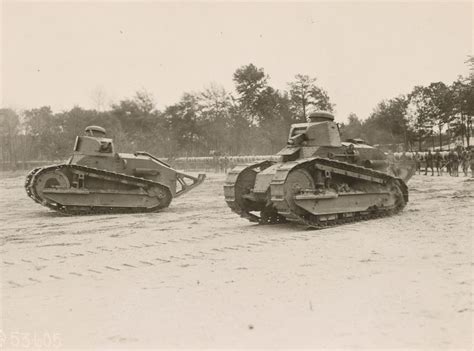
196 275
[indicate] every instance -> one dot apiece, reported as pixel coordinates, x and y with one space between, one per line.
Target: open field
196 275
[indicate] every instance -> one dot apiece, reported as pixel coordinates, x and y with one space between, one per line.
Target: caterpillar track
282 198
318 182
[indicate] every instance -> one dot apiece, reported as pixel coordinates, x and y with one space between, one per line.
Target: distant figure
438 158
390 156
417 159
448 163
221 164
454 163
465 161
391 162
226 163
422 161
429 163
215 160
352 152
471 161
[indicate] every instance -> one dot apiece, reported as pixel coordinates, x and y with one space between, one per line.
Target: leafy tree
129 110
353 129
305 94
144 102
268 108
45 129
241 132
74 122
441 104
418 115
276 118
9 129
142 126
387 122
470 63
250 83
182 119
463 95
215 104
434 106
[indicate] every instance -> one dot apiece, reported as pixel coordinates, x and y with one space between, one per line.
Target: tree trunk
468 129
304 109
10 152
440 126
405 138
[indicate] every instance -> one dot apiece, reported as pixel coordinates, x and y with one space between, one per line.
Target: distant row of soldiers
449 160
463 158
216 163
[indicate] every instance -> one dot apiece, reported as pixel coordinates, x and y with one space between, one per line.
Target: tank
96 179
318 181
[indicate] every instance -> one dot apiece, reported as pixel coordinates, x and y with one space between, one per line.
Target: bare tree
99 99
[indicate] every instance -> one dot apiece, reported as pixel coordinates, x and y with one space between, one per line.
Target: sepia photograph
236 175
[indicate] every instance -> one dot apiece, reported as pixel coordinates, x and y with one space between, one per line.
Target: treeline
254 120
428 116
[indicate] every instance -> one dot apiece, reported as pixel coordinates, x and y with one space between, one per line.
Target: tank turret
320 116
95 131
305 139
320 137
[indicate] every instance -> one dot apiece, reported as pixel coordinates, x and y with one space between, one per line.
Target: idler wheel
243 186
163 195
297 181
51 180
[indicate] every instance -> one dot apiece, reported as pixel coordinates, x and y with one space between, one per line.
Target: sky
63 54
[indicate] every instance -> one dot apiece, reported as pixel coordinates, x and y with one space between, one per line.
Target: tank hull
76 189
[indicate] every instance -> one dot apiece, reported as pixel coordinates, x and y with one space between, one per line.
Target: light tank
319 180
96 179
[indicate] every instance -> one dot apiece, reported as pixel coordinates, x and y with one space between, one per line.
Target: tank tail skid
185 187
404 169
